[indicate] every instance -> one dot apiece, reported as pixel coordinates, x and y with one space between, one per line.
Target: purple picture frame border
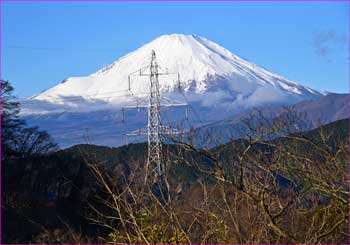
135 1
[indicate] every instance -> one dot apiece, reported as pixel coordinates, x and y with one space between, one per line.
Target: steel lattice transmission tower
155 167
154 127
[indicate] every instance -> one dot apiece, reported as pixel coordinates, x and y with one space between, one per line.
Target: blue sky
43 43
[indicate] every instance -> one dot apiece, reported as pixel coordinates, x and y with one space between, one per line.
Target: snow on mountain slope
203 65
216 82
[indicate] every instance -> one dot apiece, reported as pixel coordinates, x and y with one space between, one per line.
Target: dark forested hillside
52 198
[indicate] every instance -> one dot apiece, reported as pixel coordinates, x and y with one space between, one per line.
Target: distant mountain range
217 84
311 114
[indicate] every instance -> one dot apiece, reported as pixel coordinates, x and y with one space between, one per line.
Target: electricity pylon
154 127
155 167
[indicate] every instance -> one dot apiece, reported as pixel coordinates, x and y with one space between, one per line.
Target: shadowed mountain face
326 109
310 114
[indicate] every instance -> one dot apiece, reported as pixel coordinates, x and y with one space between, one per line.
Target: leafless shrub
273 186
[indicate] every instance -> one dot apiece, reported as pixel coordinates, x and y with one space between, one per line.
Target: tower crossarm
146 106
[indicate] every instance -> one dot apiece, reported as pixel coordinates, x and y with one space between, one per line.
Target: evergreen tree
10 122
19 140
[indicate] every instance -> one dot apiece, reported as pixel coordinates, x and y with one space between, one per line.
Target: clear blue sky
43 43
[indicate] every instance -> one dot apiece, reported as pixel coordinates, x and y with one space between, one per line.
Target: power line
117 122
191 107
78 98
74 129
40 48
62 130
88 128
77 131
89 135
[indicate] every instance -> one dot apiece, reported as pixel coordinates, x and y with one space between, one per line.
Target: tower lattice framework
155 167
154 127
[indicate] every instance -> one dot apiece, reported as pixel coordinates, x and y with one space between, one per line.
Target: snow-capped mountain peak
215 82
203 66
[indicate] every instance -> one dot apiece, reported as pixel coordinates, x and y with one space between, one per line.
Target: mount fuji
215 82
